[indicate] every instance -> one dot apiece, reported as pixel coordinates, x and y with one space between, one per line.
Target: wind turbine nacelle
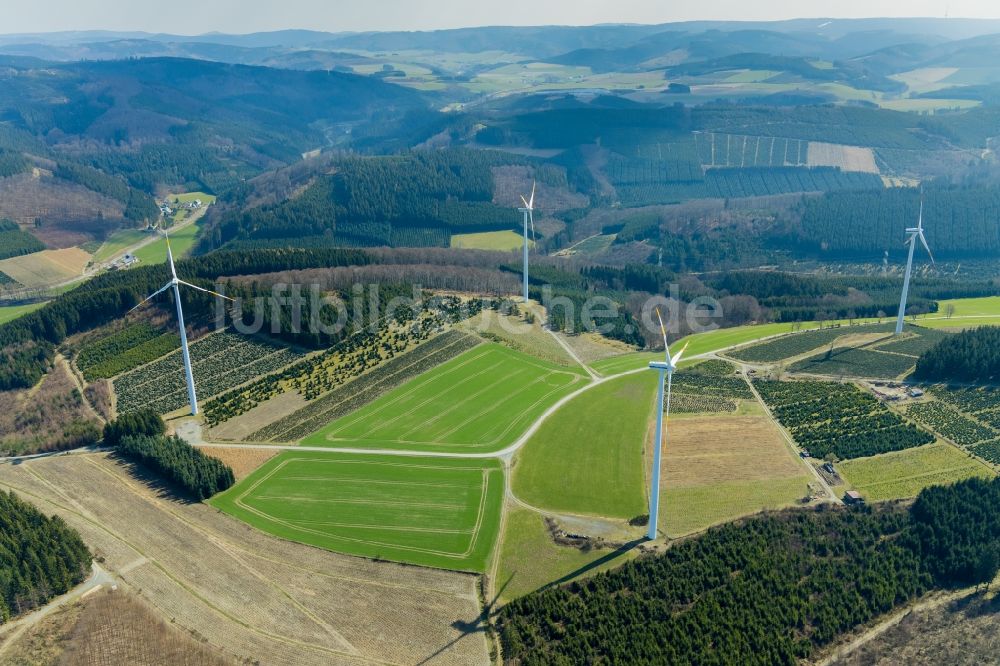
660 365
913 230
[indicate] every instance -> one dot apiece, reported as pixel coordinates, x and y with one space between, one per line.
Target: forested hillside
970 356
958 221
414 199
769 590
40 557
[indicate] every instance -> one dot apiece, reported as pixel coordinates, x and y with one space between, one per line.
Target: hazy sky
241 16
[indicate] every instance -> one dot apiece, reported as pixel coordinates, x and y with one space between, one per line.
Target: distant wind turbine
666 369
529 216
914 233
175 283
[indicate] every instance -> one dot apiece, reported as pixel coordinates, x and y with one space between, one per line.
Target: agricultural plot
841 419
490 240
438 512
948 422
857 362
587 458
845 158
125 350
988 451
914 342
181 242
345 361
904 474
220 362
12 312
981 403
705 388
718 469
258 598
348 398
797 344
478 402
46 268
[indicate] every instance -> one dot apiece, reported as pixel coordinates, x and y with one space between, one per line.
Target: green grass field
180 242
117 243
905 473
12 312
587 458
971 307
435 512
529 559
700 343
489 240
480 401
690 509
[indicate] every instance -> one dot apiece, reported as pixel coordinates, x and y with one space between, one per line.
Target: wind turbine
175 283
529 216
914 233
666 368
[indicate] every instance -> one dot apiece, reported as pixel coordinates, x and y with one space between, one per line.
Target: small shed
853 497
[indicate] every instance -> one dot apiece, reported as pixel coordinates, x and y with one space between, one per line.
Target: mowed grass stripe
479 401
442 513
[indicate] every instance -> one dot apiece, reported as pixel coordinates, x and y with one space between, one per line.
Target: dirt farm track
254 596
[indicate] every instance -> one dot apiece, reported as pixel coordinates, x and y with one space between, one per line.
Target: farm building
853 497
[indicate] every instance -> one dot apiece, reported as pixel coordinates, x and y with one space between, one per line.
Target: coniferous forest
40 557
178 463
768 590
970 356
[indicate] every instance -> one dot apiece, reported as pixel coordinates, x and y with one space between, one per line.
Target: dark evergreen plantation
413 199
178 463
40 557
972 356
768 590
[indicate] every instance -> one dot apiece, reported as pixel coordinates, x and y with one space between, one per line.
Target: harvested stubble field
441 512
243 461
717 469
107 629
46 268
258 598
480 401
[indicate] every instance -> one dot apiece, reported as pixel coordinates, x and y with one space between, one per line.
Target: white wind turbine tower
529 216
666 369
175 283
914 233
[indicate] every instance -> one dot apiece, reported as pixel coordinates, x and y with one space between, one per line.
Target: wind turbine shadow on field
477 626
599 562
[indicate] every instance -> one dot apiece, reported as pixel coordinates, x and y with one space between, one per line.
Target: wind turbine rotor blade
531 219
677 357
151 297
207 291
663 330
525 202
926 247
531 201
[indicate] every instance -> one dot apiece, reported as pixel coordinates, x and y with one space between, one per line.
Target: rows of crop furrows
839 419
219 362
700 403
727 387
354 356
380 379
949 422
796 344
